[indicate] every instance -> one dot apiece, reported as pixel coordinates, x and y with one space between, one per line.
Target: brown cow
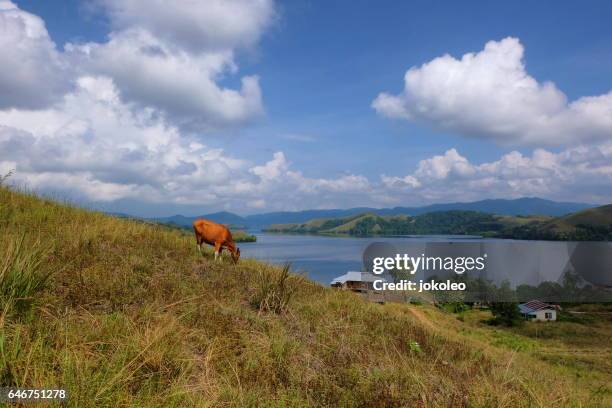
216 235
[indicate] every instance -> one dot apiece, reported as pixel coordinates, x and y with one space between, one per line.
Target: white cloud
167 56
489 95
94 147
575 174
181 85
94 143
32 72
297 137
350 183
273 169
400 182
123 128
172 56
203 25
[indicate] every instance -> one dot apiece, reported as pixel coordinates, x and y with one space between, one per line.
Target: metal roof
533 306
355 276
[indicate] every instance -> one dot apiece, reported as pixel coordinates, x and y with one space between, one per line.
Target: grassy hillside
439 222
127 314
592 216
593 224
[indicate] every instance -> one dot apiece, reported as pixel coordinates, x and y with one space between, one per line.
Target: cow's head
236 255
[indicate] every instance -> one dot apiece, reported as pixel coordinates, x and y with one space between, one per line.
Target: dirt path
420 316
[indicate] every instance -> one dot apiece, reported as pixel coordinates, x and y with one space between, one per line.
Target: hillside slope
439 222
593 224
131 316
592 216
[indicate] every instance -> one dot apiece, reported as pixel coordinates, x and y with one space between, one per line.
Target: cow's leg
217 250
199 243
198 240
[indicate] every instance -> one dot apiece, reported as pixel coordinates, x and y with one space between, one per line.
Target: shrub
273 290
506 313
455 307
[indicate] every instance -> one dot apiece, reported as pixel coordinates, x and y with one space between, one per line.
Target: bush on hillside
274 290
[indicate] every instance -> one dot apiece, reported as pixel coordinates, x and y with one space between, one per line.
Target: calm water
321 258
518 262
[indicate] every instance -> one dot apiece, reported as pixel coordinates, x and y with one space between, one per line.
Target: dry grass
132 316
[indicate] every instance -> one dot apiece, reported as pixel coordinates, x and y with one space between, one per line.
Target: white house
355 281
537 310
360 282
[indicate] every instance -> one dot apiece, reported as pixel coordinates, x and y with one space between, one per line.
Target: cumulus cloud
172 56
182 86
208 25
489 95
32 73
167 56
575 174
273 169
94 147
118 123
106 151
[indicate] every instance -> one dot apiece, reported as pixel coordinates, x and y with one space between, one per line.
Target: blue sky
312 135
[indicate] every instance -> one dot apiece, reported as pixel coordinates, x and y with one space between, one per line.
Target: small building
360 282
537 310
355 281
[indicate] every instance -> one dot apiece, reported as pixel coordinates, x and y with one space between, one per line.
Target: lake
322 258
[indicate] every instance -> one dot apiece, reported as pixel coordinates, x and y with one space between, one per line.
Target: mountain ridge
513 207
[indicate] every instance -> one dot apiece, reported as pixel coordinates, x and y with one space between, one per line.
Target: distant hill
516 207
236 222
592 216
453 222
593 224
519 206
222 217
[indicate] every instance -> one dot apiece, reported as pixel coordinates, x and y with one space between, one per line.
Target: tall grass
4 177
274 290
22 274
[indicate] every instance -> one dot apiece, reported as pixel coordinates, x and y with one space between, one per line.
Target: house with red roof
538 310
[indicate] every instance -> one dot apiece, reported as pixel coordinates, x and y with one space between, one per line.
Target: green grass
578 347
591 216
21 275
128 314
